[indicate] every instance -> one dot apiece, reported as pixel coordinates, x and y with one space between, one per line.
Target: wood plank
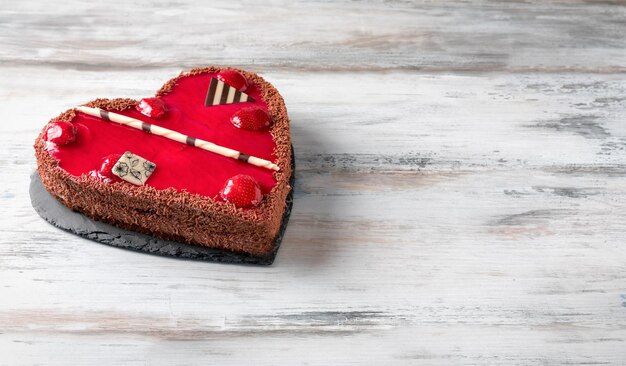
472 214
539 36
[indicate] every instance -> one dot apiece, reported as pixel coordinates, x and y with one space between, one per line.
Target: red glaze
179 166
251 119
234 79
242 191
60 132
151 107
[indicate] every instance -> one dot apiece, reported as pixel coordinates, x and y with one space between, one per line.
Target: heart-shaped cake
207 161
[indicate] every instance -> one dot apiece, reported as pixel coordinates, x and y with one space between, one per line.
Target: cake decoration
151 107
242 191
60 132
193 196
221 93
105 172
234 79
251 119
177 136
133 168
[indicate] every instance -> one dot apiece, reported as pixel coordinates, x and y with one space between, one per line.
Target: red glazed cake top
179 166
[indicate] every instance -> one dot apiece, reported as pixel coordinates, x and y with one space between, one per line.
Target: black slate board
76 223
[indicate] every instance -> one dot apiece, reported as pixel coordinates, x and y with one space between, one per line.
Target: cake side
165 214
178 215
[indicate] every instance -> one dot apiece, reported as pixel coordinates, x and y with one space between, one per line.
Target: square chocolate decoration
133 168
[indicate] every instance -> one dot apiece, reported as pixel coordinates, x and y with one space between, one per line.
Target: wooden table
460 198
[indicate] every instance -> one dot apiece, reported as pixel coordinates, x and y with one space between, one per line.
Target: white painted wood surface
460 199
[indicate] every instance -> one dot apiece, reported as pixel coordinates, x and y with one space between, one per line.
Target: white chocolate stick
177 136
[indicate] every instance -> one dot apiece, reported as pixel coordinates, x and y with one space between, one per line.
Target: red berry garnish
234 79
106 169
251 119
60 132
242 191
151 107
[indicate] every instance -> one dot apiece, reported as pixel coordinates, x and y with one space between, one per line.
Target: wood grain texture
460 198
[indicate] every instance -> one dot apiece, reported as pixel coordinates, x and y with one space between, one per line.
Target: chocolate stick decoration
177 136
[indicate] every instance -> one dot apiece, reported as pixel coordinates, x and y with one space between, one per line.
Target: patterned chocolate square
133 168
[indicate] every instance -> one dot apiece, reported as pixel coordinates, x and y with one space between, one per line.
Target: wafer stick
177 136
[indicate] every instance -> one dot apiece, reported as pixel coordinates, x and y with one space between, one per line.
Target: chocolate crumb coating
170 214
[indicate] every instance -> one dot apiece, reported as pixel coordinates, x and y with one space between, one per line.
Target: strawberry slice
234 79
251 119
60 132
242 191
151 107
